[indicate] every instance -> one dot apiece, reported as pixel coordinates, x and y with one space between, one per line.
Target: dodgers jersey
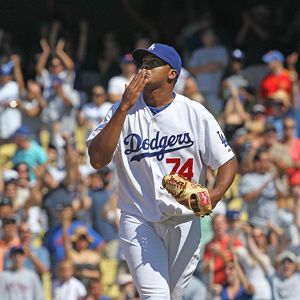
183 138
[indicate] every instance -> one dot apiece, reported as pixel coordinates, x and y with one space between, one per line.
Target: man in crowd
28 151
35 258
8 93
286 281
116 85
278 80
18 282
9 237
218 251
261 188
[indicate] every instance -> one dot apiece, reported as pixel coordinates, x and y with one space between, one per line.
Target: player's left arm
224 179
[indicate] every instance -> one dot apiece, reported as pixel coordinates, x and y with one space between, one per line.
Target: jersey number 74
183 169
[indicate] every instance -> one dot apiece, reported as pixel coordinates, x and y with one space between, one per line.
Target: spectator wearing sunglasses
92 113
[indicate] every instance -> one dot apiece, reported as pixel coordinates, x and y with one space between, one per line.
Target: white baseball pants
161 256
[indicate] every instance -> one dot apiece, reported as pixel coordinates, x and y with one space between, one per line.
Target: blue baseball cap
127 59
273 55
167 53
233 215
7 69
22 131
16 249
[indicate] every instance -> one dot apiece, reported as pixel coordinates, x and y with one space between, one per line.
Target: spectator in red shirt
218 250
277 80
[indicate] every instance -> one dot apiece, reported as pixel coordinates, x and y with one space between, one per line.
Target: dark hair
10 181
259 152
16 166
92 281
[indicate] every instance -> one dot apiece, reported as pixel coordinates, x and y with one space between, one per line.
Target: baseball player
151 132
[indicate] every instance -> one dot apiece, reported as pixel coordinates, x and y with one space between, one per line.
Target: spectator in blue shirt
53 240
103 216
28 152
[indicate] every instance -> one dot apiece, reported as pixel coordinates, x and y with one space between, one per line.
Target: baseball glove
192 196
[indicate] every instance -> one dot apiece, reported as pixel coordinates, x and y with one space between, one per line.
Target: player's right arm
103 145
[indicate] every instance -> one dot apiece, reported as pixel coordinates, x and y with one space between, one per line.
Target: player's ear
172 74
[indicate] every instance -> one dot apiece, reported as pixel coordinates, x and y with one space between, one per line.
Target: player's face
156 69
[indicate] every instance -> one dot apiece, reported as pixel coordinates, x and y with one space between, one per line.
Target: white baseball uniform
161 237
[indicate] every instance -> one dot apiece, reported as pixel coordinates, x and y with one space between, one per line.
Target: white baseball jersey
183 138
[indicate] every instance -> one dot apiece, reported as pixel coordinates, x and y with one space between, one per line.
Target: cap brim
266 60
290 256
75 238
17 251
139 54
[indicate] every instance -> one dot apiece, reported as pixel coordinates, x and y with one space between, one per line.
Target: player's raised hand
133 90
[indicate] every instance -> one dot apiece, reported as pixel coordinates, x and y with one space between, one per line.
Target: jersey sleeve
214 146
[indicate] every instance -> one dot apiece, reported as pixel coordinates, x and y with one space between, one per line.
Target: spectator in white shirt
67 286
92 113
20 283
286 281
10 118
116 85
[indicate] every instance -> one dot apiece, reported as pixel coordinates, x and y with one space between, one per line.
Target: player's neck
158 98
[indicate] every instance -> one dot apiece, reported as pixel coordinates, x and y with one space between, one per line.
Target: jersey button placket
152 132
154 128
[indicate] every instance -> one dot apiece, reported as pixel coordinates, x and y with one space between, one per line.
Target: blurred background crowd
62 68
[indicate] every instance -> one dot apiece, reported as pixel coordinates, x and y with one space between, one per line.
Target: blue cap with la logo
167 53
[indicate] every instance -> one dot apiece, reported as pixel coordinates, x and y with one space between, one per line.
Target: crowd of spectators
59 216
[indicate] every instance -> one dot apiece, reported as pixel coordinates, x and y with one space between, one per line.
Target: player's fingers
139 82
135 80
134 89
142 84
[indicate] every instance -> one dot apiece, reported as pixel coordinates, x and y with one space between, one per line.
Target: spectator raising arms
237 285
217 252
256 263
86 261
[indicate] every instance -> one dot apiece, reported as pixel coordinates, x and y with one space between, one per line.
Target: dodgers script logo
158 146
